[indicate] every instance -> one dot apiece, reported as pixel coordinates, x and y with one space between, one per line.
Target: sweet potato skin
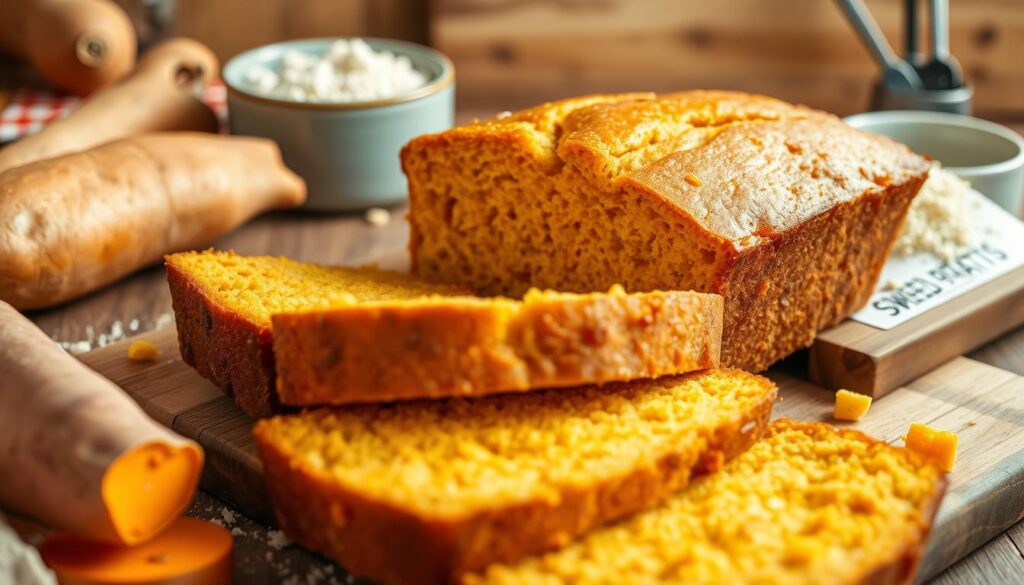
76 223
158 96
64 425
78 45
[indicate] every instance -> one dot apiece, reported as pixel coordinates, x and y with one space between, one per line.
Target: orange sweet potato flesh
159 95
77 45
76 452
81 221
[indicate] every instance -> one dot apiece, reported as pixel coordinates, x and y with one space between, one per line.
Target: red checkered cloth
32 109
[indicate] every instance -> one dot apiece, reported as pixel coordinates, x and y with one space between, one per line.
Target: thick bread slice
462 346
422 491
808 504
223 303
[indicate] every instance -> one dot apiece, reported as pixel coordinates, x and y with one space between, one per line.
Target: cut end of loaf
223 303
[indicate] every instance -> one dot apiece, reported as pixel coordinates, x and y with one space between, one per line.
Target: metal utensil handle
940 28
868 29
910 37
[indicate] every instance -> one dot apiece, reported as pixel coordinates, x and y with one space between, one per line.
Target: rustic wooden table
142 302
348 239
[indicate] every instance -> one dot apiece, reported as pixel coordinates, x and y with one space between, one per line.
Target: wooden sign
875 362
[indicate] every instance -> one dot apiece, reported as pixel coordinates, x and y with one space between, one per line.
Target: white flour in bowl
348 71
939 220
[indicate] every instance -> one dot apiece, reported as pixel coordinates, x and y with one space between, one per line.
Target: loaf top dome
743 167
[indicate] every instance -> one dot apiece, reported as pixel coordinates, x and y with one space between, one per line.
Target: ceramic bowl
988 155
348 153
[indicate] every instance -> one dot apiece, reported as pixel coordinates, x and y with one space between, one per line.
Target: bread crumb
503 115
851 405
693 180
939 220
378 217
227 515
143 351
890 285
782 398
935 445
133 325
972 422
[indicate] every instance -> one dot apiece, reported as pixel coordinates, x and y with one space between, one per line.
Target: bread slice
786 212
808 504
460 346
223 303
341 335
419 492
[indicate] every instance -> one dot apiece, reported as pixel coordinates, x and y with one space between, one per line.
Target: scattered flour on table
116 333
163 321
92 340
277 540
377 216
227 515
939 220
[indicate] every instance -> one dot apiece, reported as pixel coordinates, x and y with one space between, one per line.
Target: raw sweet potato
161 94
77 45
71 224
76 452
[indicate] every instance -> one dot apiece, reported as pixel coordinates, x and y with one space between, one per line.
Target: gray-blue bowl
348 153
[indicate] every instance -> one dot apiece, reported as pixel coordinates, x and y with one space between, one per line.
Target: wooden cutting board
984 404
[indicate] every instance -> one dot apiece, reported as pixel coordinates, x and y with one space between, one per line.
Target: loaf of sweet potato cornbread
432 347
420 492
808 504
786 212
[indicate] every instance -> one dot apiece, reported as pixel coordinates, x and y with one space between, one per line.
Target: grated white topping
939 220
348 71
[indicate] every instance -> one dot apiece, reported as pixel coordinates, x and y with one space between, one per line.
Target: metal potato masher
915 81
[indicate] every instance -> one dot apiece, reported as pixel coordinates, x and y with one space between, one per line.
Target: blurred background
515 53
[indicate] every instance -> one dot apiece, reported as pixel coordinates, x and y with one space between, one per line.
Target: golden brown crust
793 211
458 346
400 547
228 349
838 269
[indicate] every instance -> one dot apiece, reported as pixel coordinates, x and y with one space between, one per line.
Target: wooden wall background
232 26
514 53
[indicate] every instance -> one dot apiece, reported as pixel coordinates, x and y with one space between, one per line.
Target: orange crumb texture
851 405
938 446
142 351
